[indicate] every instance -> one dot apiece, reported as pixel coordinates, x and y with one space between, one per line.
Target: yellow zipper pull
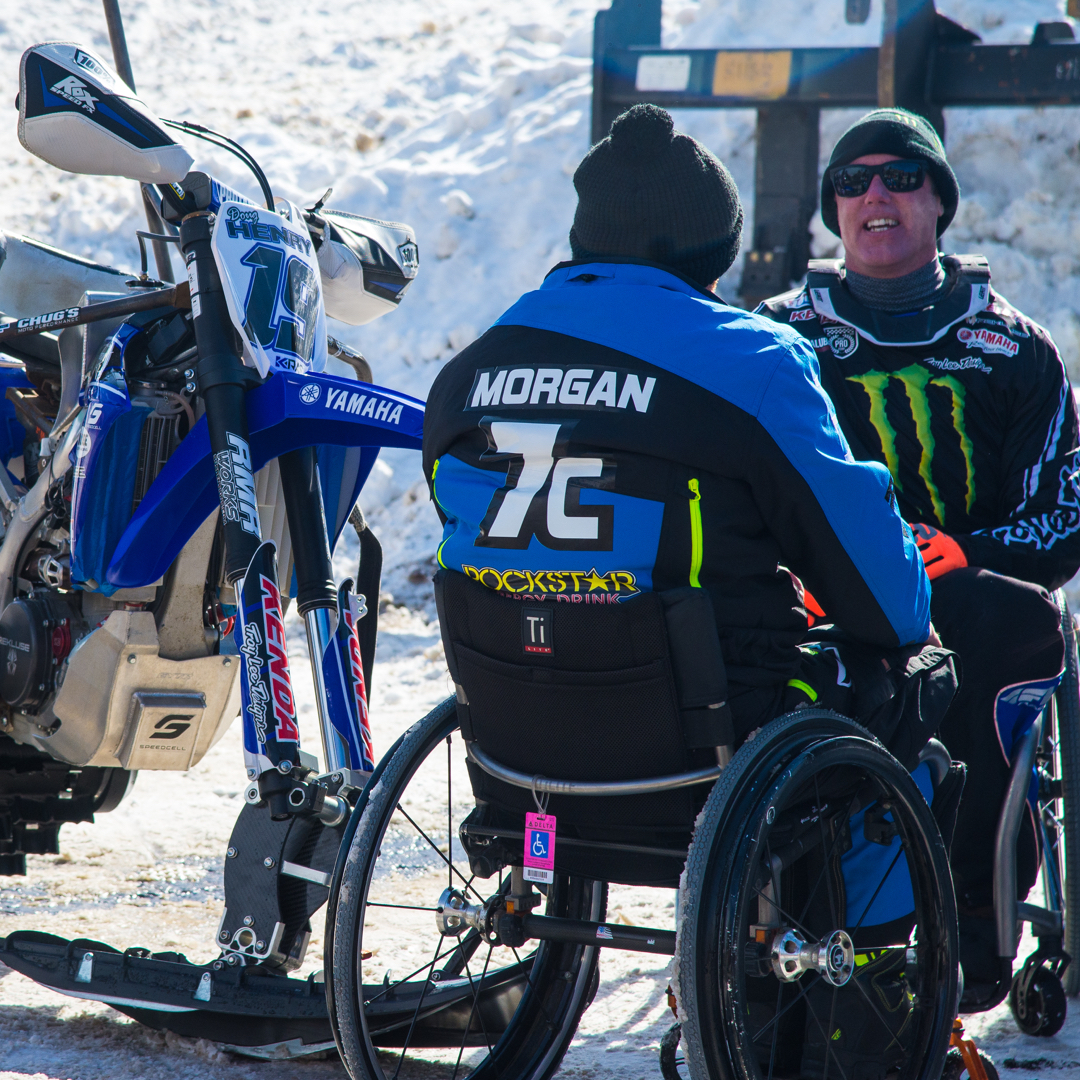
696 543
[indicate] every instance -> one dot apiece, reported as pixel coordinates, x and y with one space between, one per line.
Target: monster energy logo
915 379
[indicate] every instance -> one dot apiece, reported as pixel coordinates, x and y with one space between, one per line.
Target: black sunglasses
850 181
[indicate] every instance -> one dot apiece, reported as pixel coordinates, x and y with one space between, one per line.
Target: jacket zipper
695 532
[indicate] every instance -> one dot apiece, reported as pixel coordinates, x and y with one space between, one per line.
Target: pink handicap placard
539 847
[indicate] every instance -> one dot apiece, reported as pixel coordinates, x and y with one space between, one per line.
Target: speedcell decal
915 379
987 340
574 388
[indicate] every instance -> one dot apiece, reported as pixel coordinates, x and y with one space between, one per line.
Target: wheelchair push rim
459 1003
810 780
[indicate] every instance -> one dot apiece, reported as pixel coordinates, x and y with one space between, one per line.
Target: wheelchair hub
454 914
792 955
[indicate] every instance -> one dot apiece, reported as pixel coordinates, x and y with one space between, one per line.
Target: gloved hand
940 552
814 611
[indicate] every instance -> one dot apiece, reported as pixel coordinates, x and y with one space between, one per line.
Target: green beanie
899 132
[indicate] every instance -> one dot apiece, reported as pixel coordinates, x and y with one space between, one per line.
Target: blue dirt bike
178 466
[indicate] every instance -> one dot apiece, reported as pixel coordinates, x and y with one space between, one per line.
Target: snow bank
467 120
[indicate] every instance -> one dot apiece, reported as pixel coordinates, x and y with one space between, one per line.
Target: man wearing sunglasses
967 402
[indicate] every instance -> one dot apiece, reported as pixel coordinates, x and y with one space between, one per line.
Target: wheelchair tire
740 1019
453 997
956 1069
1066 733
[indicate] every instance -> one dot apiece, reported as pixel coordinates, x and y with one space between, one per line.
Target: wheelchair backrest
586 692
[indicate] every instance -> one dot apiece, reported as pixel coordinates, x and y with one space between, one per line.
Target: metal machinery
925 63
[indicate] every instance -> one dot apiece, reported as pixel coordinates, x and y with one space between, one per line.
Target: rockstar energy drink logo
915 380
569 586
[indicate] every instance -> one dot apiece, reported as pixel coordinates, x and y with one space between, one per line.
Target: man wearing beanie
622 430
967 403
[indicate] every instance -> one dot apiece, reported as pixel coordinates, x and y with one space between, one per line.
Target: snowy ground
465 118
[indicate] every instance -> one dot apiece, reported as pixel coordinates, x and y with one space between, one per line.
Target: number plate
270 275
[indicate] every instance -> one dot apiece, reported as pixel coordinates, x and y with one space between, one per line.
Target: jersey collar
625 271
969 295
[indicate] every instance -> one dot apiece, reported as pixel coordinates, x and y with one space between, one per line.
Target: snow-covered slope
467 120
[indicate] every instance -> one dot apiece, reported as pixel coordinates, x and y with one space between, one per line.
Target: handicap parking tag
540 847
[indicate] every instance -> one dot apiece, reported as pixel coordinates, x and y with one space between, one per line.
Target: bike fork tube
316 597
271 732
321 625
222 381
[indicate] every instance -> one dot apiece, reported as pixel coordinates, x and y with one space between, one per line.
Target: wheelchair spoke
884 1023
404 907
473 1011
438 851
787 1008
449 818
885 877
416 1011
796 923
776 1029
828 858
830 1053
825 869
423 967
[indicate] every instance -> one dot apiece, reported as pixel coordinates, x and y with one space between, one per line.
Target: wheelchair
1044 774
816 927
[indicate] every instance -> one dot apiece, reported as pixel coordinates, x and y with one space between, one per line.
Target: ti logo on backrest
536 630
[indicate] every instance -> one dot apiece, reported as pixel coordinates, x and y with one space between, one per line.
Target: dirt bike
179 467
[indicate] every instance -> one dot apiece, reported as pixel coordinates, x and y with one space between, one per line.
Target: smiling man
967 403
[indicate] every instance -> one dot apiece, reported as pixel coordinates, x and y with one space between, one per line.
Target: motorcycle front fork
271 731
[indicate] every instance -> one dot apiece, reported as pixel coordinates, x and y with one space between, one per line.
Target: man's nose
878 190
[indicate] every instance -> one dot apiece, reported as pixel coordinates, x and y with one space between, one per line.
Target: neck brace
970 293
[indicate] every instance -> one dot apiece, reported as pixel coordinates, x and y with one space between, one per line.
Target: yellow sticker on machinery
752 73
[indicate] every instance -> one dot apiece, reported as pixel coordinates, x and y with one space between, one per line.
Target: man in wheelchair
967 402
633 478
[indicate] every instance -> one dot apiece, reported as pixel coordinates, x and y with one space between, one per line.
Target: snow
466 119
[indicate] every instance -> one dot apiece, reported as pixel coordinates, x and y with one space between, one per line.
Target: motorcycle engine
36 634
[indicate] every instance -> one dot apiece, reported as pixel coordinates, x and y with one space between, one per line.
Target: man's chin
879 256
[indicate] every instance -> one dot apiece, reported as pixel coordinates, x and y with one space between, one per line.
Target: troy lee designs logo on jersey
966 363
75 91
528 388
988 341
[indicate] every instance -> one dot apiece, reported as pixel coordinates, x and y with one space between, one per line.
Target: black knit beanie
648 192
899 132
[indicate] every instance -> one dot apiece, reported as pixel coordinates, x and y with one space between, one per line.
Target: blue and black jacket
620 430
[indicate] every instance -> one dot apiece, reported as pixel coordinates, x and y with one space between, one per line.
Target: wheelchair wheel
413 997
1059 800
778 970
